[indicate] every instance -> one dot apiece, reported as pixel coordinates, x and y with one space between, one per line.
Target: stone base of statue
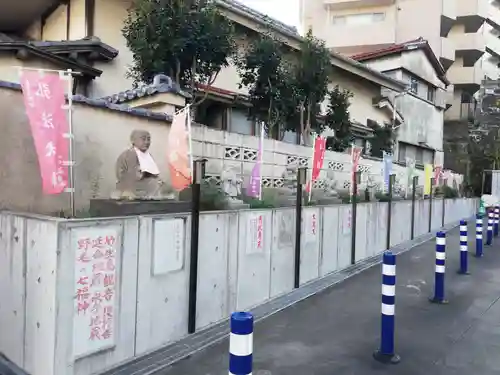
113 207
235 204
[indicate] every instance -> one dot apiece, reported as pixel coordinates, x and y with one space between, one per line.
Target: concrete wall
101 134
39 266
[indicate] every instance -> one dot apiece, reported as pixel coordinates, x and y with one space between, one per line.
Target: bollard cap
441 234
241 323
389 258
463 222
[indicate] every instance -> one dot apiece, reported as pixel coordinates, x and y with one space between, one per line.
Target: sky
286 11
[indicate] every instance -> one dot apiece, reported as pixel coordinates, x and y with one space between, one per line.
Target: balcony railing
348 4
469 42
464 75
449 9
471 8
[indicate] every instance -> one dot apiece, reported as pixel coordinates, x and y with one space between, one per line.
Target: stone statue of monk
137 174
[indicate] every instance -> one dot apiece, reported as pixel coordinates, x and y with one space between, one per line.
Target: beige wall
108 23
77 24
9 71
55 27
362 107
374 33
102 134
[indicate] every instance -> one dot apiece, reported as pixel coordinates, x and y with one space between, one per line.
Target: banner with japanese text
179 150
427 178
45 104
386 169
355 156
254 188
318 159
437 174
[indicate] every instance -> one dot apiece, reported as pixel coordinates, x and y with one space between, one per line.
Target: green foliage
310 78
446 191
259 204
189 40
264 71
383 139
212 196
286 90
338 119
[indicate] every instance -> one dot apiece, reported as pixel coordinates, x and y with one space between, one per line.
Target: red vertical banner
355 156
45 107
437 174
318 160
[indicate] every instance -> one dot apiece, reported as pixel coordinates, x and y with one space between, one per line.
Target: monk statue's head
141 139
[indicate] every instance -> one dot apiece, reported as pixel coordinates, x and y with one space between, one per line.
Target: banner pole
261 158
190 140
71 171
312 168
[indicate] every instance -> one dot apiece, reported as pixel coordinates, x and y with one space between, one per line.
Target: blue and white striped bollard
385 353
479 235
489 233
497 221
463 248
440 269
241 344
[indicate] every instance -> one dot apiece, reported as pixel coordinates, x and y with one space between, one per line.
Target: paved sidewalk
336 331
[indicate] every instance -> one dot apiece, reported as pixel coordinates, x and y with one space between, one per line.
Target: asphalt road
335 332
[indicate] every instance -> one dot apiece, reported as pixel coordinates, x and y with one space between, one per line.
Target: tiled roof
161 84
263 17
419 43
104 104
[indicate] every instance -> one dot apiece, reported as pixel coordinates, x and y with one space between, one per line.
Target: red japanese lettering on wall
95 285
260 231
313 224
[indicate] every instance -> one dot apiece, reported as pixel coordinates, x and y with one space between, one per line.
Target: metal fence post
198 175
413 198
392 178
354 202
430 205
301 180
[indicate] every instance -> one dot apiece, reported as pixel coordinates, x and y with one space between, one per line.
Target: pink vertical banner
45 107
355 156
318 159
437 174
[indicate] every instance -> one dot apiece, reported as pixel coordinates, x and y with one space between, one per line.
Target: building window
419 156
414 85
358 19
402 152
431 94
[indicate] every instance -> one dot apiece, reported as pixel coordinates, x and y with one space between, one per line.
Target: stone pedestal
111 207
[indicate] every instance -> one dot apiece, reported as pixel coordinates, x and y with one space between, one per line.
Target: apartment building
466 45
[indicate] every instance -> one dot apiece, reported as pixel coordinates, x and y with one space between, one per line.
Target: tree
190 40
338 119
286 87
484 154
311 77
383 139
263 69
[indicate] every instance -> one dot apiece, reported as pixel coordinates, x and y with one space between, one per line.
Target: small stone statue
137 174
290 178
231 183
